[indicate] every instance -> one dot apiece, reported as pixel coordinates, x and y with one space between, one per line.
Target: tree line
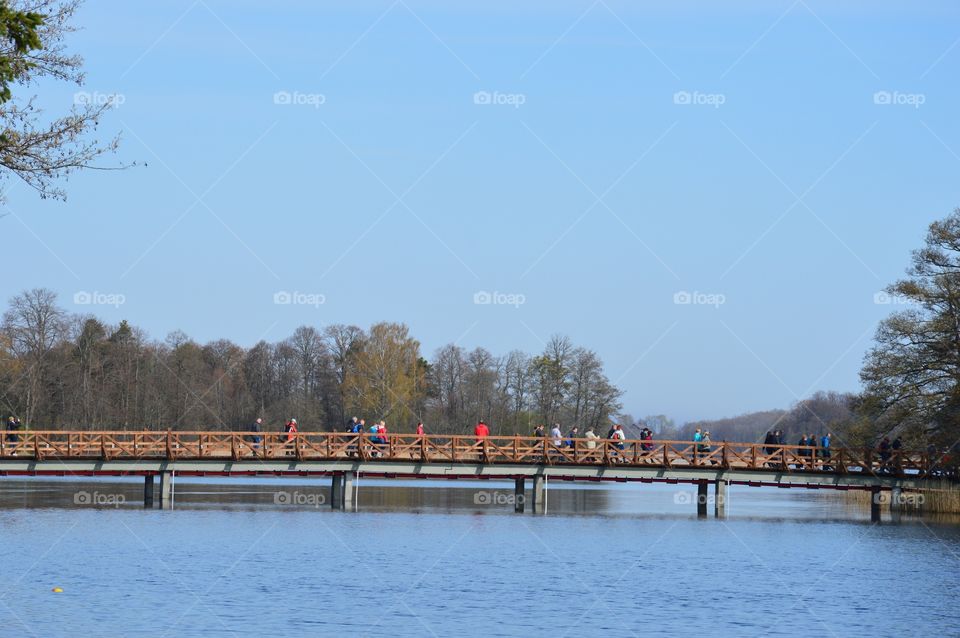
60 370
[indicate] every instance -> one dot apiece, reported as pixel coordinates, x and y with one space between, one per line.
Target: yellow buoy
57 590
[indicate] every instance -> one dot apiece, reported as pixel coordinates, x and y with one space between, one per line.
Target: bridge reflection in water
344 456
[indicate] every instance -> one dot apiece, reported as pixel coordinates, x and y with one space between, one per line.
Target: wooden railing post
103 446
753 456
423 448
233 446
724 461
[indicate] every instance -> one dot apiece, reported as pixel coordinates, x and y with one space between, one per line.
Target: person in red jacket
291 429
481 430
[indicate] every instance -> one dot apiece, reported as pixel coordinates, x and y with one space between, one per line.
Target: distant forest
823 412
61 370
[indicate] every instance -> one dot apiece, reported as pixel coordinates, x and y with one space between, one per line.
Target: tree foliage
912 375
60 370
38 149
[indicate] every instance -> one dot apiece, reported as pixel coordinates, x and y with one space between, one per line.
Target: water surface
235 559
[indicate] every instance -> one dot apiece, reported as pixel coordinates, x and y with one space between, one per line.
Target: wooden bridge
343 456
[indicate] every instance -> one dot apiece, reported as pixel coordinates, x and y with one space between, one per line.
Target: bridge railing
325 446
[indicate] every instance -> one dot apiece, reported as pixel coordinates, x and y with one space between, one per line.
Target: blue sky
592 160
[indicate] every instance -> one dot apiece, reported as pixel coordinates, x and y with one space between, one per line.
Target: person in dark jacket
255 438
884 449
13 426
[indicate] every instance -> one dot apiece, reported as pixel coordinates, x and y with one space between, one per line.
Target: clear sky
587 161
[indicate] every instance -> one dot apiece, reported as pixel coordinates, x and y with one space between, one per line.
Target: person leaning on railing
592 438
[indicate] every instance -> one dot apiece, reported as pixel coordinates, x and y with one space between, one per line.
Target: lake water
268 557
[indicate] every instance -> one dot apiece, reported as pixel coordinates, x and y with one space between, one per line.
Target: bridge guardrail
441 448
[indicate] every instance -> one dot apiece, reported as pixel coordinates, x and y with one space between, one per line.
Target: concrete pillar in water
539 494
148 490
702 498
347 489
518 495
875 504
166 490
720 499
336 491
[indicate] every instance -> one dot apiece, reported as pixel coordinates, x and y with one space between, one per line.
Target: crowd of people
813 449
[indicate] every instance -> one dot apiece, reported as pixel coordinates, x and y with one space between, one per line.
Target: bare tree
38 149
34 325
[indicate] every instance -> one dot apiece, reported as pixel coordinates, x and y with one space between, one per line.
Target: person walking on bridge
697 437
356 428
13 426
291 429
481 430
619 436
255 438
825 450
419 428
705 446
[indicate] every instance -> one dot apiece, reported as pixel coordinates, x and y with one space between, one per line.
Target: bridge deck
445 456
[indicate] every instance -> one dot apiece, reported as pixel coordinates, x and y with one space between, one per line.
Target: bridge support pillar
875 500
336 491
702 498
518 494
539 494
148 491
347 490
720 499
166 490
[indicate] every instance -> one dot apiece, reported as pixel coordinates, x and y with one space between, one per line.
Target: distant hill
821 413
749 427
